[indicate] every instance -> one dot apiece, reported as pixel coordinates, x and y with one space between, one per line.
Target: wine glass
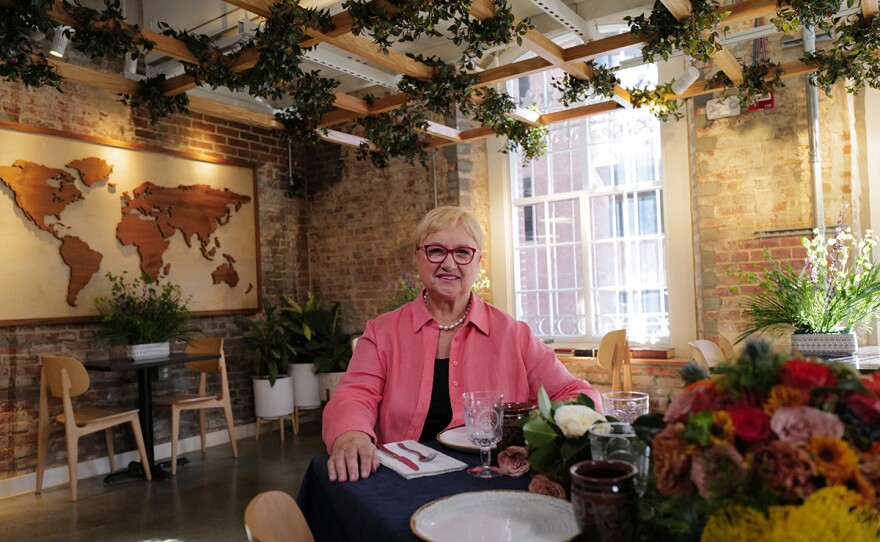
483 416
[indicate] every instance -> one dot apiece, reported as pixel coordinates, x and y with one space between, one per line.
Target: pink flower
693 399
513 461
717 471
542 485
798 425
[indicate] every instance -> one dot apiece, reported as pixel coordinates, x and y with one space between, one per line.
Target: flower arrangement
837 290
762 448
142 311
556 438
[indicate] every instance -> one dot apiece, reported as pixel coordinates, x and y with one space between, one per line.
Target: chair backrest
76 373
707 353
273 516
205 345
613 355
726 347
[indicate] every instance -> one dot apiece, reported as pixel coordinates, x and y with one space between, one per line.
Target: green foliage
19 60
450 87
396 134
214 67
316 335
493 112
838 290
142 311
852 57
692 372
696 35
757 82
311 97
151 97
105 34
756 370
658 101
576 90
795 13
268 342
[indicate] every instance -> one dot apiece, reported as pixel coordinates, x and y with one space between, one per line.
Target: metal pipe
809 36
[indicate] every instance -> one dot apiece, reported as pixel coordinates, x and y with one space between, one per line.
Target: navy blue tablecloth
379 508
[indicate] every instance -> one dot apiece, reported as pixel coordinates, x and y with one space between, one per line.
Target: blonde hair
443 218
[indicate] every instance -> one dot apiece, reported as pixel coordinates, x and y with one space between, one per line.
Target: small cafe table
145 398
379 507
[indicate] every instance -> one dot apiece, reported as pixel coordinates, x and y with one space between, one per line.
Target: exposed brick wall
660 380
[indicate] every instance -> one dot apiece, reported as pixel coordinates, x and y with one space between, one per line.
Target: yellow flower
722 428
832 513
782 395
835 459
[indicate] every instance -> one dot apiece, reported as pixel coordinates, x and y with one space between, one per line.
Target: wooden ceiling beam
578 112
94 78
724 59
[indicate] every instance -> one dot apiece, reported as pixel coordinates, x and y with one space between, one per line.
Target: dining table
866 360
146 370
379 508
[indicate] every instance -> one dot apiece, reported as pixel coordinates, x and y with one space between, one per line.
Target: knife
405 460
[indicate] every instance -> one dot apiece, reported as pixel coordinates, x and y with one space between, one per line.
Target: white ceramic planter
140 352
305 385
825 344
273 401
327 383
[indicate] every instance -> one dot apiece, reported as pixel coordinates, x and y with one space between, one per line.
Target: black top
440 410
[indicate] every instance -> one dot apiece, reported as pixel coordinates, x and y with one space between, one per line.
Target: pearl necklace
455 324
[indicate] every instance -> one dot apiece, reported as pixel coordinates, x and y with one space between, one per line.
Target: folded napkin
439 465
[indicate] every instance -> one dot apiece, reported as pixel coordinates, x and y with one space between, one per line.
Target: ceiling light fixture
60 41
685 79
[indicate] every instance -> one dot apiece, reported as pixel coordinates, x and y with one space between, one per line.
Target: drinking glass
625 406
483 416
617 441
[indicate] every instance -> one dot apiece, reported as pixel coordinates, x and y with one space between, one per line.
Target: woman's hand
353 456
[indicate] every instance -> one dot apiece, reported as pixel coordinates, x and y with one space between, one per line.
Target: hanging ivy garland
448 89
852 58
696 35
214 67
19 60
395 134
658 100
312 97
795 13
576 90
494 111
756 83
106 33
151 98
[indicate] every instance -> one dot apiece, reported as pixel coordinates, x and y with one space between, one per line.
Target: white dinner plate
456 438
495 516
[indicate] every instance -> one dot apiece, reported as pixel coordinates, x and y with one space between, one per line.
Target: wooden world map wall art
73 209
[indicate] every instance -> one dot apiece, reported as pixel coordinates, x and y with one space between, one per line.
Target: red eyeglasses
460 255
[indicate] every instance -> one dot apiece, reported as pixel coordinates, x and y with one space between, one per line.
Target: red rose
806 375
513 461
750 423
866 406
872 382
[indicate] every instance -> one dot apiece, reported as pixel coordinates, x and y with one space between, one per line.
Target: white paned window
589 249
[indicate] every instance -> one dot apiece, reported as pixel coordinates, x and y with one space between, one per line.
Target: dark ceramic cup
511 435
605 501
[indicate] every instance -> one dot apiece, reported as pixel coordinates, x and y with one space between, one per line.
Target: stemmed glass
483 417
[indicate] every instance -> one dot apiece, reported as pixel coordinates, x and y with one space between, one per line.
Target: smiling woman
412 365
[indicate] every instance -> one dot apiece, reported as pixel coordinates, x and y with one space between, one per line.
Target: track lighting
60 41
685 80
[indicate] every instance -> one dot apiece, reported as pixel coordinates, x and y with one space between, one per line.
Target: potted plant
319 340
824 304
266 339
144 314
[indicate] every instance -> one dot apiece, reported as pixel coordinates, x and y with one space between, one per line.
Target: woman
411 365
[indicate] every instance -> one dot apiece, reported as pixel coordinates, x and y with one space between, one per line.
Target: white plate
456 438
495 516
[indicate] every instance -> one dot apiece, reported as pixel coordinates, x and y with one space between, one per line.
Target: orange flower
834 458
782 395
700 384
722 428
859 484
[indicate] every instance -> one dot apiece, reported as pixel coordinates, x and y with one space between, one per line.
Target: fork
422 457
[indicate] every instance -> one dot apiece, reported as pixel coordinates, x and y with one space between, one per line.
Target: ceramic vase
825 344
605 501
140 352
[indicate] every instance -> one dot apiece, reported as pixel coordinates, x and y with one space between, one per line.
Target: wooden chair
707 353
67 378
613 355
273 516
726 347
201 400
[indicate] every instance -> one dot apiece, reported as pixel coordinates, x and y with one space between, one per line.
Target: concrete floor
204 502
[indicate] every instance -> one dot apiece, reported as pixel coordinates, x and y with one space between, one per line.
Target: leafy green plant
576 90
106 33
851 58
311 97
493 111
450 87
396 134
213 67
696 35
795 13
316 334
19 60
837 291
267 340
658 100
142 311
759 79
151 97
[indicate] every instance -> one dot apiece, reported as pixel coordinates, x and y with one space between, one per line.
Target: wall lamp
61 40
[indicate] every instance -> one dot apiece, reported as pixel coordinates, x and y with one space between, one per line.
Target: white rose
575 420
